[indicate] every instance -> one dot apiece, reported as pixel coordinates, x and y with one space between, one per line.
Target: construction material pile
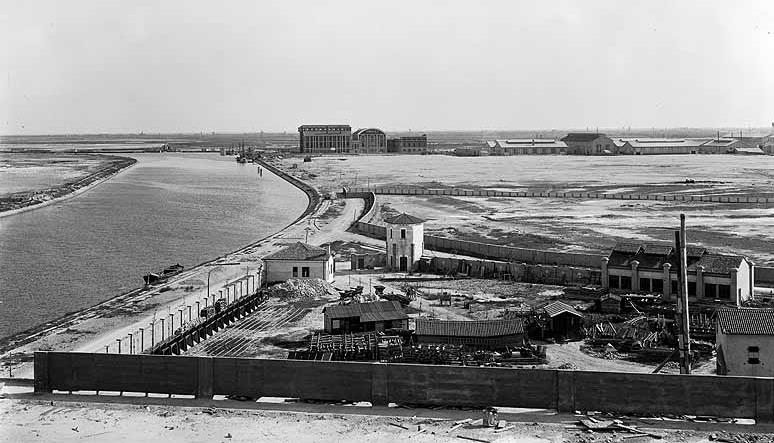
459 355
303 288
350 347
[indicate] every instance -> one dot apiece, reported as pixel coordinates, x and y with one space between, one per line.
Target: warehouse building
529 146
413 144
325 138
369 141
744 342
657 146
299 260
364 317
719 146
489 334
588 143
653 268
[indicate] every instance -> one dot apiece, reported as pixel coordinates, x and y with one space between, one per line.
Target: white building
299 260
405 242
745 342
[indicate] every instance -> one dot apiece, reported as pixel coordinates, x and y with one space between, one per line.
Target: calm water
166 209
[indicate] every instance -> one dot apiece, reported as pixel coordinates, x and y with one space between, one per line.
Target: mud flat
37 180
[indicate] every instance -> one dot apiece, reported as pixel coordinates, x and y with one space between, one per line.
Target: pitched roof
746 321
717 263
557 308
299 251
664 142
582 136
367 312
479 328
403 219
530 142
654 256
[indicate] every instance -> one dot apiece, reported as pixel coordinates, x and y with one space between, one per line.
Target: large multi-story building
369 141
414 144
325 138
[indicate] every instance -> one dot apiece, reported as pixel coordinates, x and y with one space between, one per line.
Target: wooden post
119 345
162 329
683 323
131 343
142 340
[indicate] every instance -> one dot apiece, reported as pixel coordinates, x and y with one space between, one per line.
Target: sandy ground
30 419
29 172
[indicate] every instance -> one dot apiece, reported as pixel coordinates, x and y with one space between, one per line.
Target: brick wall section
429 385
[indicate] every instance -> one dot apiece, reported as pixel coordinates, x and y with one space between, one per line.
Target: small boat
159 277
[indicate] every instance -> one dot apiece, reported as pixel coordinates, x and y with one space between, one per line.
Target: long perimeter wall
429 385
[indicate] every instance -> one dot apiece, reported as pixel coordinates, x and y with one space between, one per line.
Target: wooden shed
561 319
610 304
488 334
362 317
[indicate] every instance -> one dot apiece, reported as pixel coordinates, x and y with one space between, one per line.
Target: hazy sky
107 66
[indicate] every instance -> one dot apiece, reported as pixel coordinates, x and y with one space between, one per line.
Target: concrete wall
370 261
405 383
531 273
764 276
736 354
555 194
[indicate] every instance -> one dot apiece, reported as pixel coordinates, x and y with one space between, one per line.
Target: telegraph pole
682 320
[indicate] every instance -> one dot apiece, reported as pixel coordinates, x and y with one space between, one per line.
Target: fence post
119 345
162 329
131 343
41 383
142 340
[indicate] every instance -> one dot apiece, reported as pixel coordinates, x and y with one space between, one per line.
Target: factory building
656 146
325 138
529 146
745 342
408 145
405 242
369 141
588 143
653 268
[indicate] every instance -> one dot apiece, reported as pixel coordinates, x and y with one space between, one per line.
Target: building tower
405 242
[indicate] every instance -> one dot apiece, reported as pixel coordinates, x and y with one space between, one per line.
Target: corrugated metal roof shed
478 328
374 311
746 321
557 308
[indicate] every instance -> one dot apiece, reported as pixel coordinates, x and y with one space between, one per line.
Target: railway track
239 339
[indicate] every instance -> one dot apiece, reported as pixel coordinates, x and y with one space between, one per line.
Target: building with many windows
369 141
653 268
528 146
588 143
324 138
414 144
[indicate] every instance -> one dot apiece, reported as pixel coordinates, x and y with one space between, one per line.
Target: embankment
27 201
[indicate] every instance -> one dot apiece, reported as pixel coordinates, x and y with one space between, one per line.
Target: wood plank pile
460 356
349 347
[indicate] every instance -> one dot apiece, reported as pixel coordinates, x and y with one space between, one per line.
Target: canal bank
91 328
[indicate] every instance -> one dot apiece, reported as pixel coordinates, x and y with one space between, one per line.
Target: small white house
299 260
405 242
745 342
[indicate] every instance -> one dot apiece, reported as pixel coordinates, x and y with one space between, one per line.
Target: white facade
404 242
746 355
281 270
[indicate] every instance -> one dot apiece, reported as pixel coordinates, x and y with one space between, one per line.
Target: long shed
490 334
362 317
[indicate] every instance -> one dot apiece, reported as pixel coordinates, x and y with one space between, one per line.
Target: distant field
572 224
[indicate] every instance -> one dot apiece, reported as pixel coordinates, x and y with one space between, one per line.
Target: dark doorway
403 264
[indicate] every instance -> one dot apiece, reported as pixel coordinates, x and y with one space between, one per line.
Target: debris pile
350 347
302 288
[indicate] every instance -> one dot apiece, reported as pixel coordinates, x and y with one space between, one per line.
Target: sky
188 66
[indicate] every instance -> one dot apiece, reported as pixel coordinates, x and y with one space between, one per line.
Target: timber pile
460 356
350 347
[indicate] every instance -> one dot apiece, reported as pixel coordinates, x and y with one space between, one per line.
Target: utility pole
682 320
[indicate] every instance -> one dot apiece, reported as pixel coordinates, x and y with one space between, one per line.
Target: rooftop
654 256
557 308
403 219
582 136
529 142
299 251
368 312
664 142
479 328
746 321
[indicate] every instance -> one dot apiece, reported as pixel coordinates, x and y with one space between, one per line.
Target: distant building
762 141
492 334
529 146
656 146
745 342
653 268
471 151
363 317
369 141
299 260
719 146
405 242
588 143
413 144
325 138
